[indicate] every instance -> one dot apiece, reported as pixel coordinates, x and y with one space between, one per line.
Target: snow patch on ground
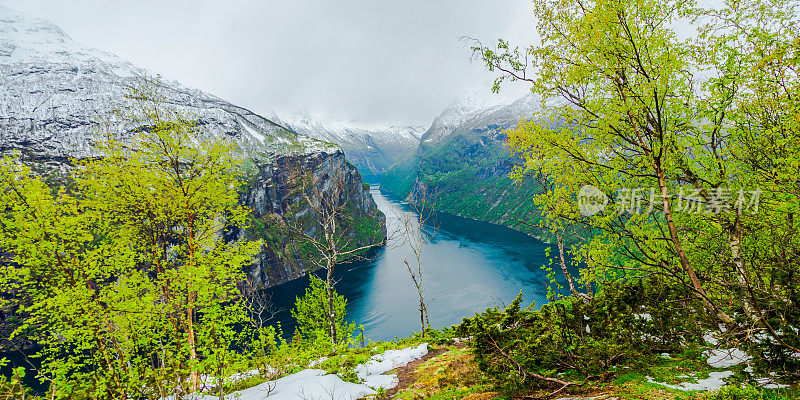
317 362
307 384
390 360
726 358
645 316
715 381
769 383
711 338
313 384
382 381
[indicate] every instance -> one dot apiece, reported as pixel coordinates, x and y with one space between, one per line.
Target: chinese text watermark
592 200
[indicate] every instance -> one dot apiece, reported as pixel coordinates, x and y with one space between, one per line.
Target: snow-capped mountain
371 149
463 158
53 92
461 109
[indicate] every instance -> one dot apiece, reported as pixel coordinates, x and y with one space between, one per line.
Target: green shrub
12 387
310 311
737 393
570 338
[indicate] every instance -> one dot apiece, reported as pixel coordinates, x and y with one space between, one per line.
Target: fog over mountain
395 63
372 148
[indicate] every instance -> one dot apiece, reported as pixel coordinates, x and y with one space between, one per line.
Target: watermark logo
591 200
688 200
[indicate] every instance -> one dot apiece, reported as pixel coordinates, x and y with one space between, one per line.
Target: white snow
715 381
645 316
55 91
720 358
384 381
210 381
261 138
352 134
769 383
308 384
389 360
711 338
313 384
726 358
314 363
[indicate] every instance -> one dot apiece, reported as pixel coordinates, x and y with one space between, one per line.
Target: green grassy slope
468 172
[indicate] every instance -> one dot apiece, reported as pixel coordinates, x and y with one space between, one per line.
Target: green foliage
12 388
737 393
581 339
468 174
633 111
733 392
310 311
128 281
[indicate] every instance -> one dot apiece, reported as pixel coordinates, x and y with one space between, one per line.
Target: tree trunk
427 321
422 315
735 241
676 242
331 311
563 262
423 311
193 378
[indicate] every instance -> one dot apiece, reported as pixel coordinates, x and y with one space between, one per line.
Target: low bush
571 339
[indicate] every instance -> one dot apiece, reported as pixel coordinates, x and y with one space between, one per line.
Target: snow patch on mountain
58 93
463 108
342 132
371 148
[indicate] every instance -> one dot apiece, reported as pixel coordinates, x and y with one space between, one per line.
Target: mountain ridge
463 161
56 91
57 95
371 149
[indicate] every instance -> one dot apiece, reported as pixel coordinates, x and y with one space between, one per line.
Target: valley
473 265
622 228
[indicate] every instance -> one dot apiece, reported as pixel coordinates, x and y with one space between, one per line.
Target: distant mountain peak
371 148
55 92
465 106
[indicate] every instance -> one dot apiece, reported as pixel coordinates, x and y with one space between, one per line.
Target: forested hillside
60 99
463 164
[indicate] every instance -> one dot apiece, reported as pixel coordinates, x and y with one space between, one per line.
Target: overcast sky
373 61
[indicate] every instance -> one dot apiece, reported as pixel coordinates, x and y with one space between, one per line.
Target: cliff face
272 190
464 162
57 95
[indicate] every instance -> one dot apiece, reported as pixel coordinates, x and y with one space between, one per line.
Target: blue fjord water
469 266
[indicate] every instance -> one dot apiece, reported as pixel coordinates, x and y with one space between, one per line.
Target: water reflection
469 266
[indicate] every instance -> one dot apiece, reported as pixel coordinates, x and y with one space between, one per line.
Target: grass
451 375
454 374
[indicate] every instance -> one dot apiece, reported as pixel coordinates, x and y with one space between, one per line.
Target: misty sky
368 60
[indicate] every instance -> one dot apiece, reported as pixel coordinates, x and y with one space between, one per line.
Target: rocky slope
55 94
463 160
371 149
270 200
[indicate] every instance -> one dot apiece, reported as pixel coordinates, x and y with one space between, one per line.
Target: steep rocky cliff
270 194
56 94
